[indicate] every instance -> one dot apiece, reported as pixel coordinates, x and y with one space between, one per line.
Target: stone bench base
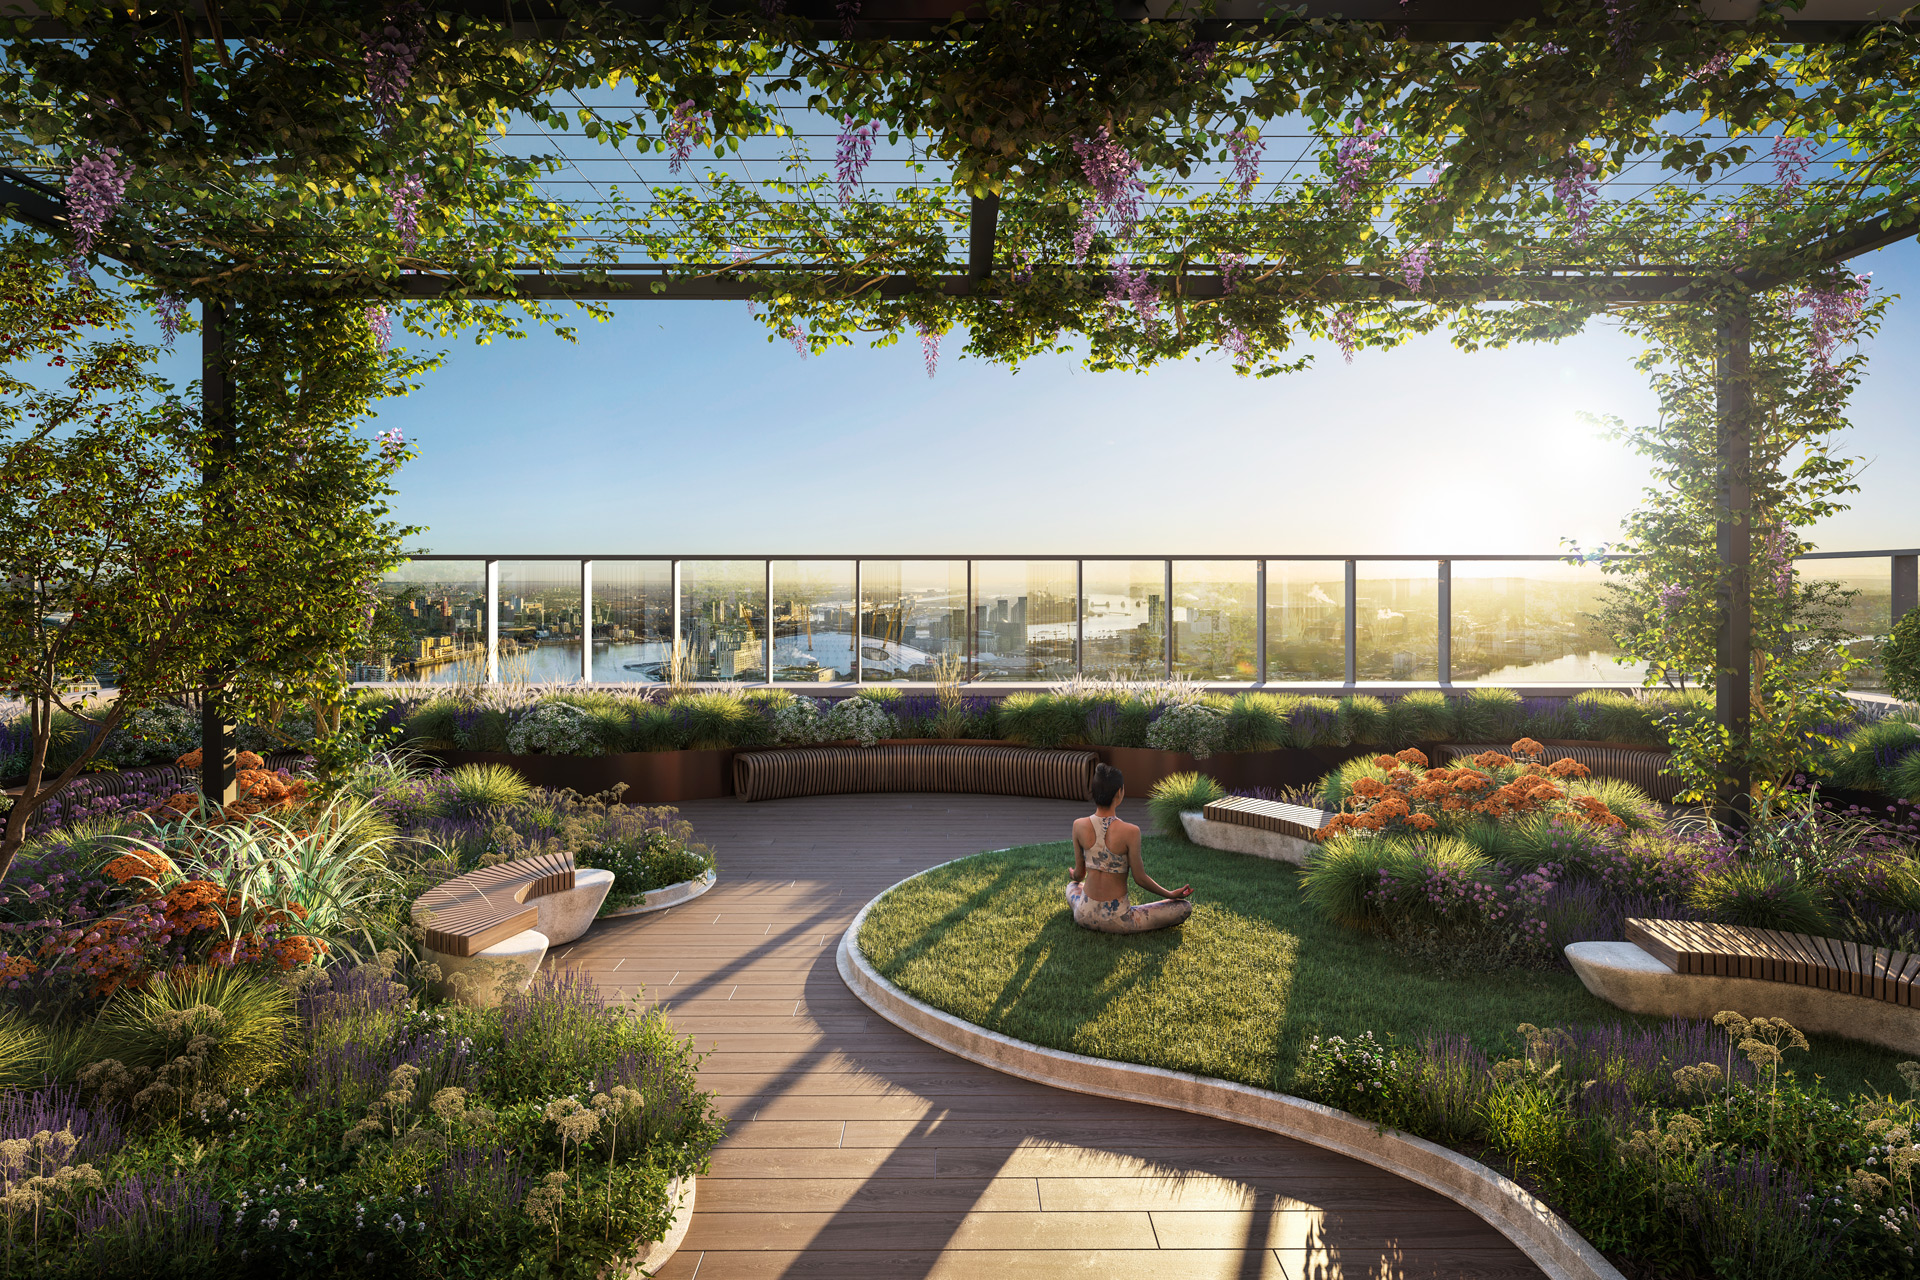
491 972
1253 841
1625 976
568 914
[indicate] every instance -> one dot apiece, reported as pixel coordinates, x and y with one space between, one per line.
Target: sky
678 429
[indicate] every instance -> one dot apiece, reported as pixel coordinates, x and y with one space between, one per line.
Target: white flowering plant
859 719
798 722
555 729
1192 727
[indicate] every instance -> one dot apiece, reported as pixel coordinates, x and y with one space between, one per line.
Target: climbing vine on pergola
1088 176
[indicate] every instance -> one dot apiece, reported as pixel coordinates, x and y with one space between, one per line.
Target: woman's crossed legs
1118 916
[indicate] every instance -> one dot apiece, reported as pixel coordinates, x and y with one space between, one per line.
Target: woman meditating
1105 851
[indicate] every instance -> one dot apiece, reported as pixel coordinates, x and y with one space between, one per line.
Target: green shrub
1317 722
1859 761
1339 876
1364 720
1536 841
1257 722
249 1018
1900 657
711 721
651 727
1488 715
1334 787
1903 780
1764 894
1043 719
650 860
1636 810
1425 716
474 789
433 726
24 1056
1180 793
883 694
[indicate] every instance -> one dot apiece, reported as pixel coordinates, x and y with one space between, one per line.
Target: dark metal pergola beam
881 20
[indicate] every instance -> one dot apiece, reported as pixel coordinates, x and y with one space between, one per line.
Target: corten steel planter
652 777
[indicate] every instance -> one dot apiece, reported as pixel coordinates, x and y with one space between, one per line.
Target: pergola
983 268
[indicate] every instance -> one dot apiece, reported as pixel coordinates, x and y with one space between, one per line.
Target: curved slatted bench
822 771
1262 828
499 920
1644 768
1692 969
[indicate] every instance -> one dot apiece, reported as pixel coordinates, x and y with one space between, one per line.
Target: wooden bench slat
486 906
1735 951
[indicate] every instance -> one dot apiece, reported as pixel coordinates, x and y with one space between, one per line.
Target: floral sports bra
1101 858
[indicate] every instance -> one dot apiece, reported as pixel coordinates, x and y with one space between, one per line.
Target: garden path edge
1546 1238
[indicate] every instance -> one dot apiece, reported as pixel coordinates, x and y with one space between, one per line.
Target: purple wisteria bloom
851 154
1246 147
407 197
95 186
1578 189
929 346
1353 164
684 126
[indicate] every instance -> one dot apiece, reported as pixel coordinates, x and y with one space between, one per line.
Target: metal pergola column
219 746
1733 542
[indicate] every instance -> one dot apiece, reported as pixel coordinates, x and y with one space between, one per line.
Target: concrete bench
1645 769
826 771
497 922
1690 969
1262 828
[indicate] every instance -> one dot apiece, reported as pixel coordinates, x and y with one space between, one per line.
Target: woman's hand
1183 892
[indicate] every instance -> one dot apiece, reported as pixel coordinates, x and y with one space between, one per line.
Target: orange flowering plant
1403 795
225 891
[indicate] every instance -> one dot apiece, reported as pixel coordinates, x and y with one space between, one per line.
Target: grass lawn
1233 993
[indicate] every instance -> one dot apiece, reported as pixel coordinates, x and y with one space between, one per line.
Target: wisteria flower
929 345
1413 266
170 309
1578 189
851 153
1791 156
1836 311
381 326
1113 174
391 55
684 127
1353 164
1247 147
95 186
1345 335
407 197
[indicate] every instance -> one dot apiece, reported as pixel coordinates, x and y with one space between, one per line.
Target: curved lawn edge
1546 1238
654 1255
667 896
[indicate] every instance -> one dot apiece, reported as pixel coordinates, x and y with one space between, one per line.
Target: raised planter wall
1235 770
652 777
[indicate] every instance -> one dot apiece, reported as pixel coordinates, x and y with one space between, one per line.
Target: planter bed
651 777
660 899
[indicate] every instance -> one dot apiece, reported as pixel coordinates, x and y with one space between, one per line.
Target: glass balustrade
913 619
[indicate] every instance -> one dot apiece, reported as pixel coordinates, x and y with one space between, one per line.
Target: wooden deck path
857 1151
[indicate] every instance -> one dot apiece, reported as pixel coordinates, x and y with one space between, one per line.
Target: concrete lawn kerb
1546 1238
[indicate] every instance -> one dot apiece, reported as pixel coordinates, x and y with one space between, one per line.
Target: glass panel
632 620
723 619
1214 610
539 621
1306 620
813 620
1534 622
1126 619
1868 614
912 612
431 625
1397 620
1023 619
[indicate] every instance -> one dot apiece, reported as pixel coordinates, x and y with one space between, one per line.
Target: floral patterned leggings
1118 916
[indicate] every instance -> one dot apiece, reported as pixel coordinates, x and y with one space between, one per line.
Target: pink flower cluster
1353 163
1413 266
1131 286
170 309
95 187
1578 189
1673 595
1836 311
1791 156
391 55
851 154
684 127
1246 148
381 325
1238 345
407 197
1113 174
929 345
1344 333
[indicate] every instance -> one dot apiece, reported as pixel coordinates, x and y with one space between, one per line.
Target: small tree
1668 610
98 562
